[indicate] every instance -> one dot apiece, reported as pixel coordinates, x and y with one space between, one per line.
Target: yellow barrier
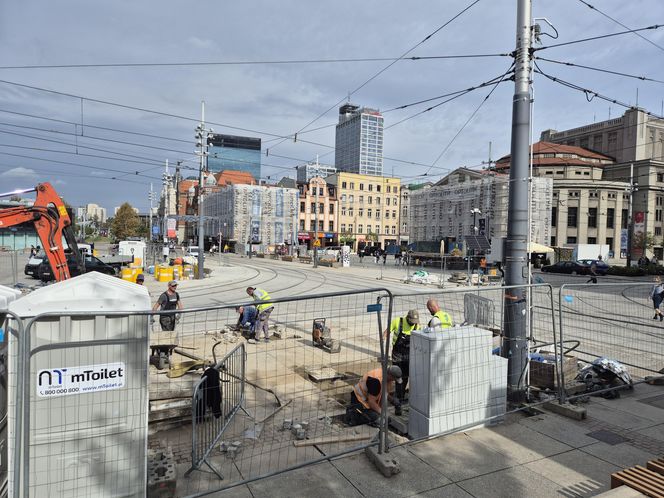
165 274
130 274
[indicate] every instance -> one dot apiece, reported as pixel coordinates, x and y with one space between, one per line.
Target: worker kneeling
367 395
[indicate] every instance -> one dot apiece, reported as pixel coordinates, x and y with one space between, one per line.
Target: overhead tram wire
249 63
592 7
607 71
424 40
590 94
600 37
470 118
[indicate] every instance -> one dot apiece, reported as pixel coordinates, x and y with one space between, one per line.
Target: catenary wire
607 71
599 37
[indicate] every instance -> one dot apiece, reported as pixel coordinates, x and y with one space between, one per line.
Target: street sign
317 243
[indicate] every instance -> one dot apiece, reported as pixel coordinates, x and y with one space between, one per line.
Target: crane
49 216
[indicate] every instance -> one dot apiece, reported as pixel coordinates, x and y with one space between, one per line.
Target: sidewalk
536 456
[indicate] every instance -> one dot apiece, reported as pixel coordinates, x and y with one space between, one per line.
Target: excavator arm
49 216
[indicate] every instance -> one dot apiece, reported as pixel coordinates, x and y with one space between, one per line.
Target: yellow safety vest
445 318
261 295
406 328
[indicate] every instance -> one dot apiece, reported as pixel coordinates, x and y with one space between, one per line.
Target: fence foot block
385 462
566 410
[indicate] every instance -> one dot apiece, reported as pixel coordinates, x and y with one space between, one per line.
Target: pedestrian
168 301
166 252
482 265
384 257
366 397
361 254
140 279
657 295
404 258
247 319
225 248
376 255
439 318
499 266
397 258
400 330
33 251
593 273
264 310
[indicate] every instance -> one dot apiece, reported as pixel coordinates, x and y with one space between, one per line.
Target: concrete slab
623 455
236 492
563 430
415 475
317 480
449 491
518 442
656 432
515 482
633 406
580 473
459 457
616 416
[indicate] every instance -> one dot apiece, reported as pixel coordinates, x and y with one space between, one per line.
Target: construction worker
264 311
140 279
400 329
168 301
439 318
365 399
247 319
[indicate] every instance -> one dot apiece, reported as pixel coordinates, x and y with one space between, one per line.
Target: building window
554 216
352 185
313 208
610 217
658 230
343 184
350 212
350 228
369 212
361 199
377 200
302 207
360 212
321 225
571 240
312 225
394 230
360 228
658 215
321 191
377 188
387 214
387 201
330 226
623 222
592 219
331 191
343 228
553 242
343 211
377 214
394 213
660 177
572 215
361 186
369 200
321 207
302 225
370 187
351 198
343 197
592 240
574 193
331 208
609 242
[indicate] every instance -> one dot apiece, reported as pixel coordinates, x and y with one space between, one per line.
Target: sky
102 132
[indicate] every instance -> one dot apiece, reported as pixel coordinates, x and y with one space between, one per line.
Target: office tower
359 141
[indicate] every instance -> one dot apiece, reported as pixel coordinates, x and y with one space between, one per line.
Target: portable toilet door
86 388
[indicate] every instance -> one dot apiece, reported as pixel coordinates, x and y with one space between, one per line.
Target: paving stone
415 475
518 442
576 470
561 429
459 457
616 416
449 491
320 480
515 482
623 455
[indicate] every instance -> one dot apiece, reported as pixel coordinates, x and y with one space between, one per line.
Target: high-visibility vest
261 295
403 325
445 318
362 391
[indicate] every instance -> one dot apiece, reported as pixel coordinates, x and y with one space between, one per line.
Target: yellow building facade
368 209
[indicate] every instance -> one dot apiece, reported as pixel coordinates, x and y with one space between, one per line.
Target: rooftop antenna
637 96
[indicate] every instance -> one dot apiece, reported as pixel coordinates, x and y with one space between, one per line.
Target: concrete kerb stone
384 462
566 410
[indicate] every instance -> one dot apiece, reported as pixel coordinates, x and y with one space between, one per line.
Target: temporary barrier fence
613 321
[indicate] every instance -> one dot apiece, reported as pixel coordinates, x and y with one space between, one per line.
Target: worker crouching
365 400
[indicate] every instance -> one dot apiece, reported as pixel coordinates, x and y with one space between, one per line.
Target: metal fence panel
613 321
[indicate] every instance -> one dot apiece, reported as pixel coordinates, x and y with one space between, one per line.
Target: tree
125 222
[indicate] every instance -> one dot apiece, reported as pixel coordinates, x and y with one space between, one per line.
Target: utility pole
633 187
515 345
150 197
316 216
202 144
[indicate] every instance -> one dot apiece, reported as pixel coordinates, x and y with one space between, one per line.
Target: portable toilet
135 248
87 388
7 295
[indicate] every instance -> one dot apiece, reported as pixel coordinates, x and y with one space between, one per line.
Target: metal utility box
7 295
455 381
87 388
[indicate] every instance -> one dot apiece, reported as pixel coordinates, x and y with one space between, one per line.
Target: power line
426 38
608 71
248 63
600 37
592 7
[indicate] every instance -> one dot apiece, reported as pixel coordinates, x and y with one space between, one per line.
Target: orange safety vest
361 390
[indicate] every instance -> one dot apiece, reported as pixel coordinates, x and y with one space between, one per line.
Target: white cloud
197 42
21 173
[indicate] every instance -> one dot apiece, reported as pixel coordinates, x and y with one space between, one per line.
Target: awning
534 247
303 236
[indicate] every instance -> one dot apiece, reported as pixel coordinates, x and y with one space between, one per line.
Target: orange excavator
49 216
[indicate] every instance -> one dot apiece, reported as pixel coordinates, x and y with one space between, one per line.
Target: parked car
92 263
601 268
570 267
32 266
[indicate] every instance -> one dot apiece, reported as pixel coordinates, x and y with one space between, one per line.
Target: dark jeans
358 414
167 322
400 389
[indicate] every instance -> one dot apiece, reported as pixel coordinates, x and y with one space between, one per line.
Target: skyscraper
359 140
230 152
